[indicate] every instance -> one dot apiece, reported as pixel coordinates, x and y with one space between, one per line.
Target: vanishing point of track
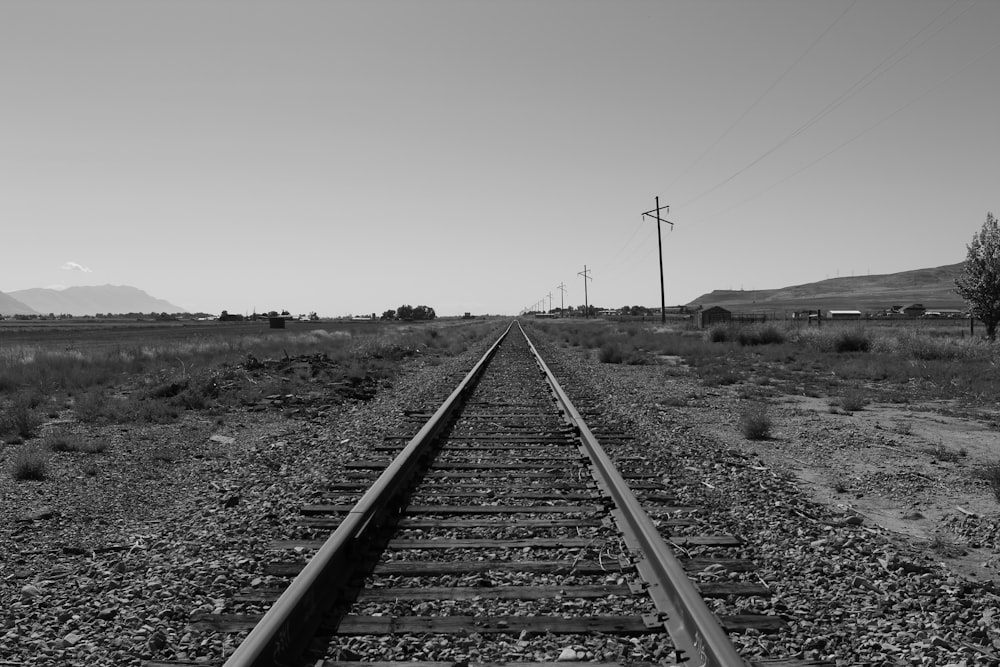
503 517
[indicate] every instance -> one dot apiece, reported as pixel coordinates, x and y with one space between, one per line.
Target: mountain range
79 301
933 288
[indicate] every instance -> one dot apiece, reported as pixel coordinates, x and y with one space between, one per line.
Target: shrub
755 423
610 353
852 341
852 400
20 417
767 335
90 406
991 474
719 334
72 442
29 463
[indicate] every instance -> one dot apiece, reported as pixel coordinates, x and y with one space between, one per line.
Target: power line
851 91
760 97
865 131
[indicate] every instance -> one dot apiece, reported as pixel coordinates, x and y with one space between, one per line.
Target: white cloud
73 266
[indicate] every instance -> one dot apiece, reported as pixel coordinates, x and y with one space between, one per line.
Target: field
897 421
145 467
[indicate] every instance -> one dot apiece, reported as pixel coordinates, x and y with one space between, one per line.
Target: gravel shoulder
106 560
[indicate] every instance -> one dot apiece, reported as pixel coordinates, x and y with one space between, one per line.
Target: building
711 316
845 314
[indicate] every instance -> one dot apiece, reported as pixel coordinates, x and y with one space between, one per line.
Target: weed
154 412
840 485
719 334
852 341
942 453
673 402
765 335
63 441
29 463
20 417
901 427
165 453
991 474
610 353
754 422
90 407
852 401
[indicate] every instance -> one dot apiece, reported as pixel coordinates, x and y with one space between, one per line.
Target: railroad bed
501 525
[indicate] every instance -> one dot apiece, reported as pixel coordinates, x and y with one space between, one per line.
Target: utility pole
659 240
550 302
586 276
562 299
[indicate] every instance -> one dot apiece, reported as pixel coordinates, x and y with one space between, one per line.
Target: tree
424 313
389 314
979 283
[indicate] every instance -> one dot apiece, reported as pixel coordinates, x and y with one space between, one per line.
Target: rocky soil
877 538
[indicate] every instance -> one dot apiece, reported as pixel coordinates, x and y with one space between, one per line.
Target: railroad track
502 532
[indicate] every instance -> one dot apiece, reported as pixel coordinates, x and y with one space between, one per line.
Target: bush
853 400
610 353
719 334
755 424
991 474
72 442
29 463
767 335
852 341
20 417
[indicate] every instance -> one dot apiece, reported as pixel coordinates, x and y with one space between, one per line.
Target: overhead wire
863 132
867 79
760 97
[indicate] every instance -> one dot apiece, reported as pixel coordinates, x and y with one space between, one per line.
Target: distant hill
11 306
92 300
934 288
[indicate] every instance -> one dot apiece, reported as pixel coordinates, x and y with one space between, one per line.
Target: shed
845 314
714 315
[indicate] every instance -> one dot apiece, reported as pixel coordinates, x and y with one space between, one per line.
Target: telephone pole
659 240
562 299
586 276
550 303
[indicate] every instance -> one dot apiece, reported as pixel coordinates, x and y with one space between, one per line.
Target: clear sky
348 157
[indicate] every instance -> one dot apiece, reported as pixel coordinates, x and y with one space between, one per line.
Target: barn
714 315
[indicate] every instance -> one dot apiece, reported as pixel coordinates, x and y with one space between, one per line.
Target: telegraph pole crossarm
659 240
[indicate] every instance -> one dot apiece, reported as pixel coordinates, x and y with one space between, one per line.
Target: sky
347 157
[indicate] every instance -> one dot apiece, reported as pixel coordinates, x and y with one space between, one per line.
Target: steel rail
279 637
693 627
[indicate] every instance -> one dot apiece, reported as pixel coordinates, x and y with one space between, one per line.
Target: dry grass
29 463
754 422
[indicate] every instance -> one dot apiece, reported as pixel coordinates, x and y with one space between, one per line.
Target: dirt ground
914 470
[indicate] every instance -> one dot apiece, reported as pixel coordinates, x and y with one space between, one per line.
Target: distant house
711 316
913 310
845 314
